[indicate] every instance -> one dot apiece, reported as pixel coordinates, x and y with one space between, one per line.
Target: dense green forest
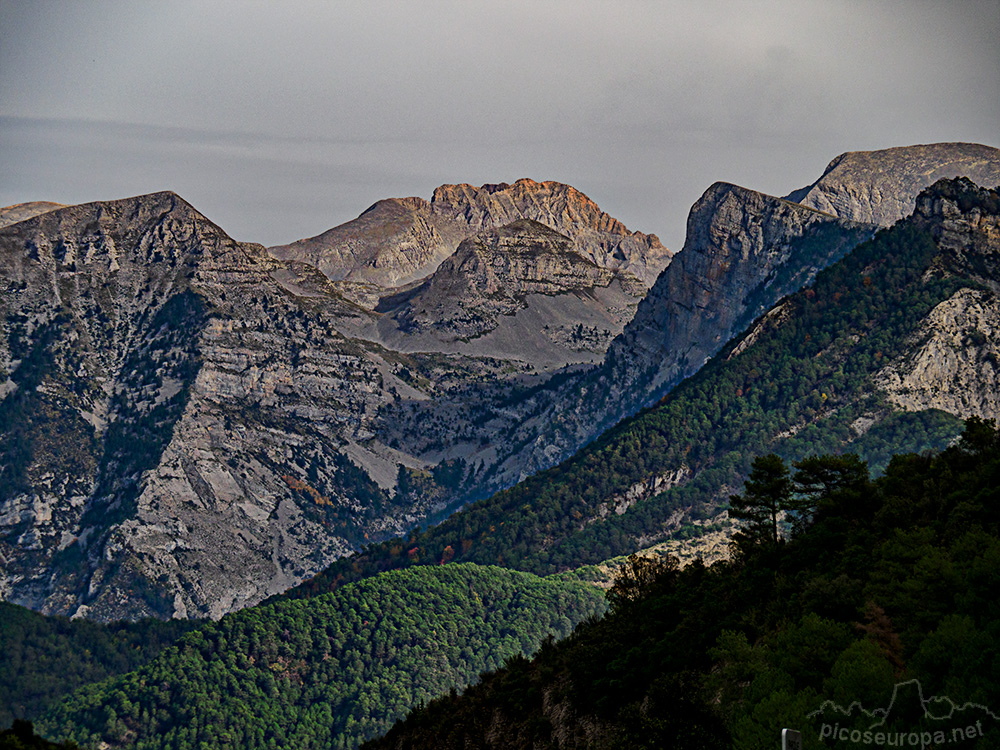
326 672
797 390
875 584
43 659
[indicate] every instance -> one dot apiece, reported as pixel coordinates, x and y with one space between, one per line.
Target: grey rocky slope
880 187
401 240
743 252
165 400
186 429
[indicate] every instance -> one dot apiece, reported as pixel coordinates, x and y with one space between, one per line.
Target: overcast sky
279 120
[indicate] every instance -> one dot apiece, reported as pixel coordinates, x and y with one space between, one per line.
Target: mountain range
190 424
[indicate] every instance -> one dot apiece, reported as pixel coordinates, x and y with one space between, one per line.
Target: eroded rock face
398 241
955 361
181 434
189 425
520 291
956 365
744 251
879 187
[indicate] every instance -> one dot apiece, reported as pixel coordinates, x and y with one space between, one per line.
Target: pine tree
766 493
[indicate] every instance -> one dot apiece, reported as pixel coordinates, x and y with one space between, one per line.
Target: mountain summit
880 187
401 240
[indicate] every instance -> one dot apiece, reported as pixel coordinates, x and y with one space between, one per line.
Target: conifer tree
766 493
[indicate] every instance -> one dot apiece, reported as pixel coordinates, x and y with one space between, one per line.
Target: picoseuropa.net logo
909 721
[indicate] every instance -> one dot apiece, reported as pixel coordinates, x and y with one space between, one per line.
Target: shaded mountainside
45 658
396 241
744 251
331 671
885 599
808 377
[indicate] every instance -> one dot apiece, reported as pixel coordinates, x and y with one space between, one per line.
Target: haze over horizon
279 121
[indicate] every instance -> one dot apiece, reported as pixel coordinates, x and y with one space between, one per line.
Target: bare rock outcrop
398 241
597 235
954 364
880 187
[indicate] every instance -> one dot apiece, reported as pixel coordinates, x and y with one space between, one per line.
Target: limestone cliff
954 364
182 427
189 424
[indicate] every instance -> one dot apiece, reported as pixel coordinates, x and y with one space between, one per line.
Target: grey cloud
279 120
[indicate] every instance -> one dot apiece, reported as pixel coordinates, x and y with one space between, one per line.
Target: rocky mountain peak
398 241
880 187
564 206
604 239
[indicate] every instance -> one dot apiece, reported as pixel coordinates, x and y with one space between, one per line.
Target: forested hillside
803 379
884 590
330 671
42 659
